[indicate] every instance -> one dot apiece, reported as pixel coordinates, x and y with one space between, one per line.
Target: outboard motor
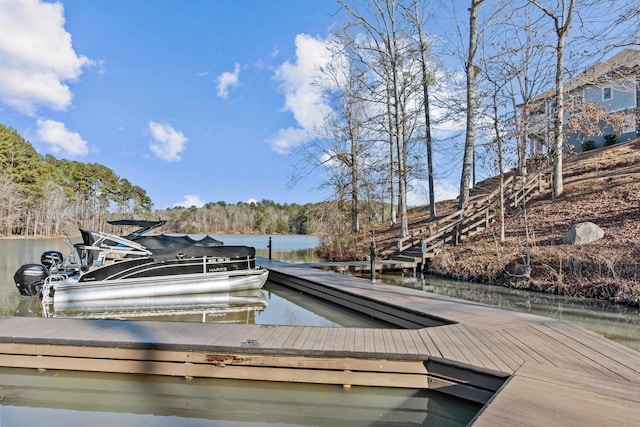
52 260
29 279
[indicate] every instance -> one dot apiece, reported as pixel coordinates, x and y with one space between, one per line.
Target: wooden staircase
425 242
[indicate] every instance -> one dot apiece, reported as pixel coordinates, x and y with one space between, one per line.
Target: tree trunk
392 173
558 119
562 24
470 136
427 115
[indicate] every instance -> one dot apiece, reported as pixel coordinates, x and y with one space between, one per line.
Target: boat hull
218 307
148 287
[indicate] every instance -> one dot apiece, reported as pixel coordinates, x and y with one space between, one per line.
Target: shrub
610 140
589 145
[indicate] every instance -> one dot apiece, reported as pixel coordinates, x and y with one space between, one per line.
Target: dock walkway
525 369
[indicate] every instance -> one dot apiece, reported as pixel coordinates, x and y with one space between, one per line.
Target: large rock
582 233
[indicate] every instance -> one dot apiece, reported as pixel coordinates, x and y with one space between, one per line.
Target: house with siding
611 87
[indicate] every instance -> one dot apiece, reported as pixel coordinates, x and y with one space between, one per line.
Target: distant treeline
46 196
263 217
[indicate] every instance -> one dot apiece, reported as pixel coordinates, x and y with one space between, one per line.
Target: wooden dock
525 369
364 266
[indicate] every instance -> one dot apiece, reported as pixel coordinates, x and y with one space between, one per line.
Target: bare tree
472 105
414 16
561 17
12 204
346 125
384 37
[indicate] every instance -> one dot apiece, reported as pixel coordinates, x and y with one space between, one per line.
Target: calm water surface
68 398
59 398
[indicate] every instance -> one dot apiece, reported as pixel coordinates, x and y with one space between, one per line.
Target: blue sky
194 101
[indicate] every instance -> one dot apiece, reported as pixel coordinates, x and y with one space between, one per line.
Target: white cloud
252 201
190 200
36 56
302 97
61 140
169 143
284 139
419 195
227 80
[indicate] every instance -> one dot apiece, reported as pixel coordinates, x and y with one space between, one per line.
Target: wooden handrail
457 225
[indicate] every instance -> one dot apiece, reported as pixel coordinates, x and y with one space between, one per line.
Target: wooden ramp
526 369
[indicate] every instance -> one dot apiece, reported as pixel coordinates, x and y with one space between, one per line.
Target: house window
553 106
606 93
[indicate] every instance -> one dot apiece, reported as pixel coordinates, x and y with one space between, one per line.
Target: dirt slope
601 186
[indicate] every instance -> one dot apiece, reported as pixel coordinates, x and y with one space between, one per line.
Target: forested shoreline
47 197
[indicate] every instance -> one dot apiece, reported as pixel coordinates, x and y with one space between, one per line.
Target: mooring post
269 246
372 258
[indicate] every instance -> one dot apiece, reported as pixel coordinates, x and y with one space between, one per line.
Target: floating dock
525 369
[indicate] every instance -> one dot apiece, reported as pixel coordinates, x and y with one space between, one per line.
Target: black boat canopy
145 225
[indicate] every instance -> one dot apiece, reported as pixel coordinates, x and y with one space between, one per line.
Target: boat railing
49 286
210 260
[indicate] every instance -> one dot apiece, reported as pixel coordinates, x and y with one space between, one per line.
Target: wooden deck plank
576 353
517 344
616 358
338 341
563 353
349 340
500 347
369 341
446 346
358 342
536 402
390 342
489 356
406 343
279 337
465 341
398 341
320 338
330 340
293 337
428 342
303 336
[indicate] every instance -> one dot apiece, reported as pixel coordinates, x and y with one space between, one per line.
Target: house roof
624 63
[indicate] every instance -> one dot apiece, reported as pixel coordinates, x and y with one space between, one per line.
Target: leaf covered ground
601 186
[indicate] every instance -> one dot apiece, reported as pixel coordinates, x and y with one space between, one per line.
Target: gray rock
582 233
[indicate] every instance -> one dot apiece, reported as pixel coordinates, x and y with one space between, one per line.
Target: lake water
71 398
274 305
59 398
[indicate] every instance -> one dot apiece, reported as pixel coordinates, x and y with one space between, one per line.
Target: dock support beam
372 257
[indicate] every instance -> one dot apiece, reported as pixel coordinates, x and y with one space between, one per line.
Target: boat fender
29 279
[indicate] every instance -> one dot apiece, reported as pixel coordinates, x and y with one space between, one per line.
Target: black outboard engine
52 260
29 279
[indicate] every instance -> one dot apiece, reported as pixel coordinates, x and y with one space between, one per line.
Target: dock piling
372 257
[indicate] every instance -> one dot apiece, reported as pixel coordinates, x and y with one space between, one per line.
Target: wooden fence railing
479 214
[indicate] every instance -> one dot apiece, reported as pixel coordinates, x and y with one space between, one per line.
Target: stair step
480 204
406 258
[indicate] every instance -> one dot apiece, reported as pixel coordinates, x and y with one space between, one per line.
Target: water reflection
273 305
58 398
617 322
221 307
